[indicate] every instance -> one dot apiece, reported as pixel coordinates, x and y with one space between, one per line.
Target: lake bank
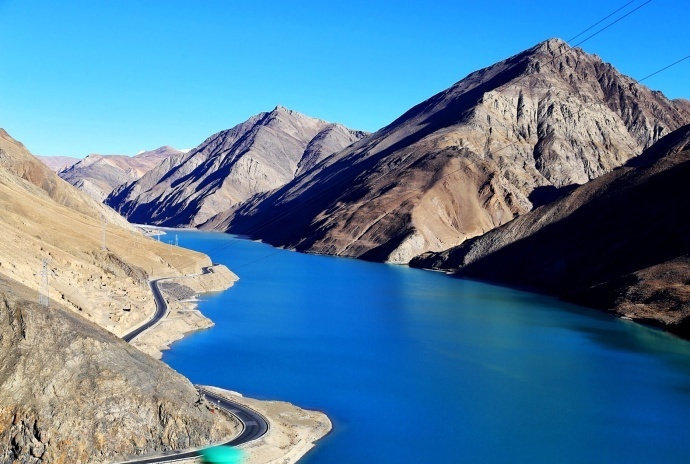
416 366
183 316
292 430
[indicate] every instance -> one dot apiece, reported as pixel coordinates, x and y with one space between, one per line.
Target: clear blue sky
121 76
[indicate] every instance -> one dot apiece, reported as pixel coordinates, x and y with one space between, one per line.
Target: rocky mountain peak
163 151
255 156
281 109
98 175
553 45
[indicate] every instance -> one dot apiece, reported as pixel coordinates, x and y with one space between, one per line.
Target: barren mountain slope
16 160
99 175
620 242
258 155
470 158
71 393
46 218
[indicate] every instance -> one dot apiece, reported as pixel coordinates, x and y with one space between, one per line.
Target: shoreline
182 297
293 431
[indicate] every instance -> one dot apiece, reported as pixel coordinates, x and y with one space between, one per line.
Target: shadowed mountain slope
620 242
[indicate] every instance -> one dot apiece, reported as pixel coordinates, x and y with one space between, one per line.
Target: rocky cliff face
620 242
99 175
256 156
70 392
486 150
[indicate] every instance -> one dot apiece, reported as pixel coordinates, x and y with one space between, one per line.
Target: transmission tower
44 288
103 229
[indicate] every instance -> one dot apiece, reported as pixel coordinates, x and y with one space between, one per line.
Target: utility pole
105 225
44 288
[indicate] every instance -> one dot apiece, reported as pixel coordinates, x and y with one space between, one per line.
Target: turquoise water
417 367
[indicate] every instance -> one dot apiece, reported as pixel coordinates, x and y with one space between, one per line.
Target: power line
44 288
612 23
600 21
663 69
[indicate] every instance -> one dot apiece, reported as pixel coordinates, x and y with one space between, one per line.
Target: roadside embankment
293 431
181 296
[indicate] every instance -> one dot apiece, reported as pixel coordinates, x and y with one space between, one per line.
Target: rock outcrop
488 149
620 242
99 175
259 155
71 393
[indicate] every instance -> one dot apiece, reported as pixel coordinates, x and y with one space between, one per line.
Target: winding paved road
254 425
161 309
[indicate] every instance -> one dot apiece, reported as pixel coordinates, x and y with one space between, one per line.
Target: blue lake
415 367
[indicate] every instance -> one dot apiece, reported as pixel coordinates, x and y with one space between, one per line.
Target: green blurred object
222 455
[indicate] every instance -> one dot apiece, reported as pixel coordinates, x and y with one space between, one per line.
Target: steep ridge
331 139
489 148
620 242
255 156
99 175
70 391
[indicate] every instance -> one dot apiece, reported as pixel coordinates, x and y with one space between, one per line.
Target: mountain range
99 175
57 163
488 149
256 156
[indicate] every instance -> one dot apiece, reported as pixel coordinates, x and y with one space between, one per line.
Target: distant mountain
56 163
259 155
98 175
620 242
493 146
17 162
71 391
